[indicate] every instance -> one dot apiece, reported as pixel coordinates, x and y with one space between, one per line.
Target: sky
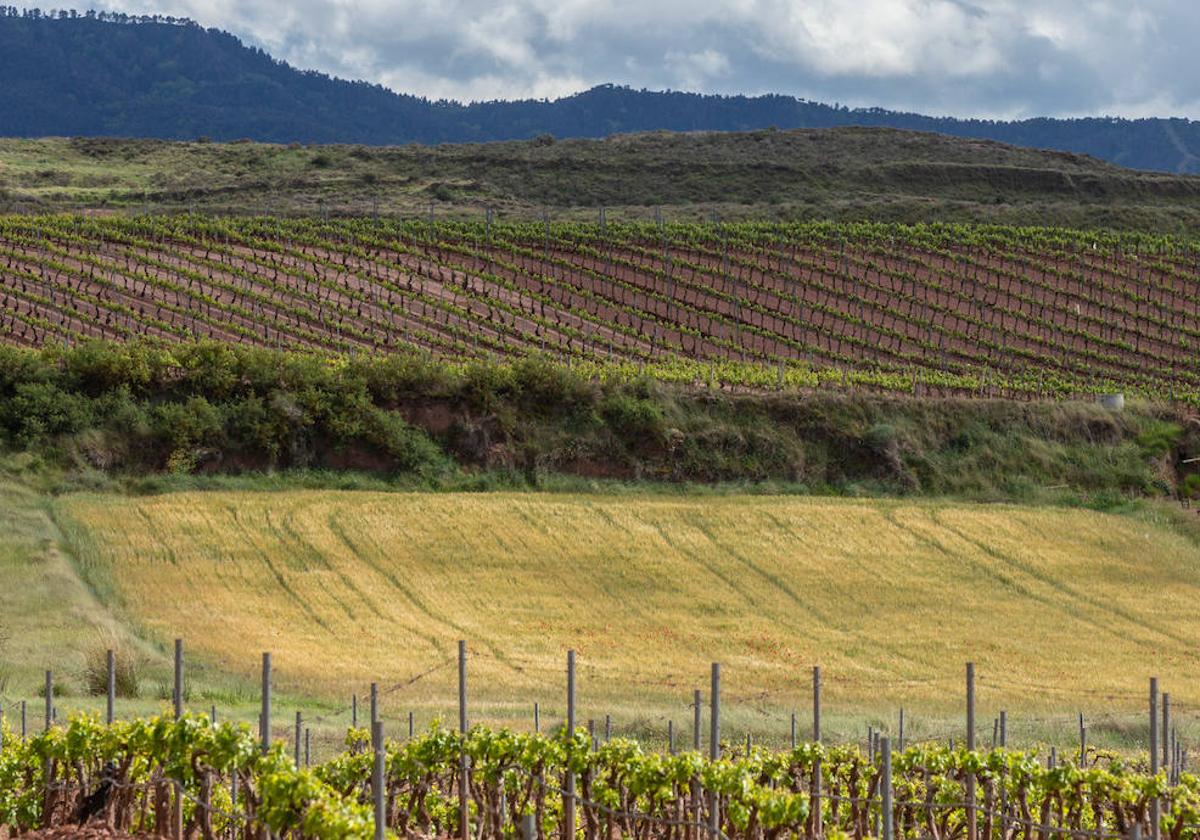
985 58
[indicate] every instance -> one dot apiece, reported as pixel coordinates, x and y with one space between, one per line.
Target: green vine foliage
621 787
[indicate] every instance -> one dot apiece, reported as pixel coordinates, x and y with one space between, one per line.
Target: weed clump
125 671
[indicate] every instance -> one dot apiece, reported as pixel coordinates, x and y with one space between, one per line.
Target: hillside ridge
877 174
119 75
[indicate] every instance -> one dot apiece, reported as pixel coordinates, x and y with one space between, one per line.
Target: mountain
100 74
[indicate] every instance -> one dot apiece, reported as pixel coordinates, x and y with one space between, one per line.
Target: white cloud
961 57
696 70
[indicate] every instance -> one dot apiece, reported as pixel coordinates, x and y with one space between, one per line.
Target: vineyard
191 777
936 309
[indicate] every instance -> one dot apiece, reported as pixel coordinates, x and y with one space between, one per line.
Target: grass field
1061 609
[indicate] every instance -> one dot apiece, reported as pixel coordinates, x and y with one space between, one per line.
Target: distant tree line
92 14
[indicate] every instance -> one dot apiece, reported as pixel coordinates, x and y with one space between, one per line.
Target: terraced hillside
945 308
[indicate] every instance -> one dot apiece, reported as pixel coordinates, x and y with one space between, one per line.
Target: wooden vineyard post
529 829
816 785
714 745
354 711
371 729
1165 734
177 811
537 718
377 780
569 793
696 741
1082 742
1003 741
374 702
298 735
972 828
111 686
178 679
464 783
48 765
1154 827
410 726
885 753
264 721
671 737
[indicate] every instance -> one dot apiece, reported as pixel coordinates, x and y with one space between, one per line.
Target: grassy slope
47 614
840 173
1062 609
52 618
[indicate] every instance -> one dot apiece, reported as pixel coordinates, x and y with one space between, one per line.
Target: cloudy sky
1001 58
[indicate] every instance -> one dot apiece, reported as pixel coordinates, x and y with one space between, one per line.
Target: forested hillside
116 75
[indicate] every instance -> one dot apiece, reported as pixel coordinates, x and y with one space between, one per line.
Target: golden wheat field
1056 607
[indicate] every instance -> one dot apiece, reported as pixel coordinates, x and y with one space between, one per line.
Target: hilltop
843 173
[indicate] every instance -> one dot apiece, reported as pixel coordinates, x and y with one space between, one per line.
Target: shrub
118 412
410 449
96 367
188 424
40 410
1191 486
549 389
18 365
882 439
60 689
485 383
398 376
631 417
95 671
269 426
209 368
1159 438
